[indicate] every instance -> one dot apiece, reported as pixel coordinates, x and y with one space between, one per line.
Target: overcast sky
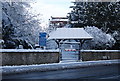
50 8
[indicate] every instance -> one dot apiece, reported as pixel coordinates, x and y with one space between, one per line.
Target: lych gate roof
69 33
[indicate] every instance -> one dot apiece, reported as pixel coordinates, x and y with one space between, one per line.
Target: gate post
59 47
80 47
79 51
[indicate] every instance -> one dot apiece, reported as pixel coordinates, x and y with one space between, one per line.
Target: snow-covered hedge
100 40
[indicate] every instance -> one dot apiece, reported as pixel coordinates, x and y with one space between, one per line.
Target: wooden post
80 47
58 41
79 50
60 52
58 44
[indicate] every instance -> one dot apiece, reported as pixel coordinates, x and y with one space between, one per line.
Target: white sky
50 8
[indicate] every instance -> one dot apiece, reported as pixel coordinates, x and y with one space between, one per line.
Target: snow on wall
57 50
26 50
100 50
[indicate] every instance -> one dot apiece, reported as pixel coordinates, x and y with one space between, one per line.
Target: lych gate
60 35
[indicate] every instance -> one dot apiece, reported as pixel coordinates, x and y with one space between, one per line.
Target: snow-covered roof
59 20
69 33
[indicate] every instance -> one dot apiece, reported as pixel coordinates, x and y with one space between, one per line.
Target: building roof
69 33
53 20
59 17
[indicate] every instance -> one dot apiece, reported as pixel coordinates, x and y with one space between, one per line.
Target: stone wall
29 57
89 55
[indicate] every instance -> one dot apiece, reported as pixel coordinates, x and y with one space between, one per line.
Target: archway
60 35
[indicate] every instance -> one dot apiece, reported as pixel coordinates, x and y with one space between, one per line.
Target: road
94 72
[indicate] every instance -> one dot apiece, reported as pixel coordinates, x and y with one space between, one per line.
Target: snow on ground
54 66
